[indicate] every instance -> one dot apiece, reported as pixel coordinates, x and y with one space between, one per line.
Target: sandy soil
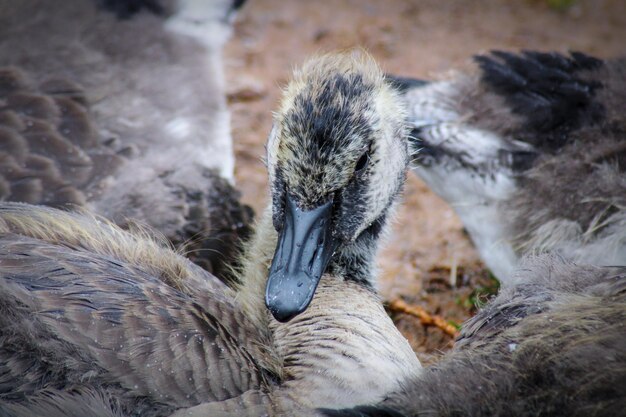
429 260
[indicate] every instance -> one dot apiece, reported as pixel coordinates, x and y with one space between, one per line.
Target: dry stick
425 317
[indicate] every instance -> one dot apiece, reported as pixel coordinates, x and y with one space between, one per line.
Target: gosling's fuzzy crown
339 134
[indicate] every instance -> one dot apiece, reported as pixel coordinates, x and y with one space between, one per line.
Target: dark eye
362 162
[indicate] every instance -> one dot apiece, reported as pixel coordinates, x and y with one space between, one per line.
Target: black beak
304 248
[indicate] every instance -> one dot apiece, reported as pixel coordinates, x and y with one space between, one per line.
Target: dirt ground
429 261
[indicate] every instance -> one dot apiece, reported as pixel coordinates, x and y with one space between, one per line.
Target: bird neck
355 261
255 263
353 354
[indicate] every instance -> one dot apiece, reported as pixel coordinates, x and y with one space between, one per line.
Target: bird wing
50 151
74 316
549 91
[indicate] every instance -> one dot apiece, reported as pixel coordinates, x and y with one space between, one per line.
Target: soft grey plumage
531 153
125 116
552 345
90 310
57 403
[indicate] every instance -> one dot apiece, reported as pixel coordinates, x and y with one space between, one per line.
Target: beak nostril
313 258
317 253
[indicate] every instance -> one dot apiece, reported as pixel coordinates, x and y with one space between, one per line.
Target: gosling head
337 158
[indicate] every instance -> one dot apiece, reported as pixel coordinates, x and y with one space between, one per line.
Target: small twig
425 317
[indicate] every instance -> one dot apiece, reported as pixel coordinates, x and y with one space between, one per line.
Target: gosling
531 154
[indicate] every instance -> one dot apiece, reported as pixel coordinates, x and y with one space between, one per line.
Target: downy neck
343 350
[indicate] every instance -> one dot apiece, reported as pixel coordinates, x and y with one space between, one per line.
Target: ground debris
425 317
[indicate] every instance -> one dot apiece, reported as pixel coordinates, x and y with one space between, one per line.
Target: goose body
114 309
530 153
551 345
120 107
97 317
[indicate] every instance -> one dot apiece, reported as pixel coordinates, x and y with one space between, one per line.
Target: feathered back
80 403
535 141
548 91
127 117
50 150
576 189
